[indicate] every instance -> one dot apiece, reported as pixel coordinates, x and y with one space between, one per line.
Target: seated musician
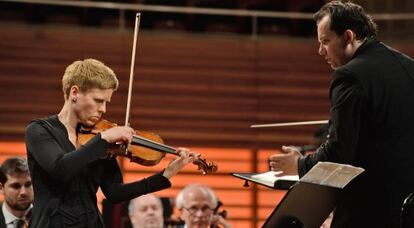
196 203
17 190
146 212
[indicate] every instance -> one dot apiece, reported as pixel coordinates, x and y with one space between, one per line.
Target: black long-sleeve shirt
66 179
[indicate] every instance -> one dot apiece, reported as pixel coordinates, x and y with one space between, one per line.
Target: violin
146 148
216 211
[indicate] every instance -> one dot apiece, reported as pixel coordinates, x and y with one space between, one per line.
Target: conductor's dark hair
13 166
347 15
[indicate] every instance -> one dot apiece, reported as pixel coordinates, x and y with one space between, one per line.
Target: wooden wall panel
190 89
197 91
237 200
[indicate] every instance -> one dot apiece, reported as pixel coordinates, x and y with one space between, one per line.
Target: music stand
277 183
309 202
304 205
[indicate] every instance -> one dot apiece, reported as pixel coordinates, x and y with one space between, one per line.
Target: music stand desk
304 205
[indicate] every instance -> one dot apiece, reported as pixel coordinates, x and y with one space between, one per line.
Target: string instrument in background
216 211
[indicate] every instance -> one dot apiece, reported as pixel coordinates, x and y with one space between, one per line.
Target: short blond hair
88 74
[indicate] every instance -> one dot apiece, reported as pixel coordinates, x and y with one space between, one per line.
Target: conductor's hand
287 161
186 156
118 134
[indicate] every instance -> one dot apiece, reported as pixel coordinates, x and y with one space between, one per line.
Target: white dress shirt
9 218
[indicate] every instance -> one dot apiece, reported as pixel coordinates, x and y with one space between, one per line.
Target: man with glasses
196 203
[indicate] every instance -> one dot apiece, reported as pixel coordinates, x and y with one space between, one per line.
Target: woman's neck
68 118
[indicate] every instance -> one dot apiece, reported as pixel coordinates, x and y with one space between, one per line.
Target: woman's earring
74 99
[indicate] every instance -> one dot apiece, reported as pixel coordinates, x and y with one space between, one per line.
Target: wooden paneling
197 91
237 200
191 89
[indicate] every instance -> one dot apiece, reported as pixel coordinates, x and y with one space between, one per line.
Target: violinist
67 175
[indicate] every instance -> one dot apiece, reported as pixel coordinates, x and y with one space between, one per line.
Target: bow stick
131 72
315 122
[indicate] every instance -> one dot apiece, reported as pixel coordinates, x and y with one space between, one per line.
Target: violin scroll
206 167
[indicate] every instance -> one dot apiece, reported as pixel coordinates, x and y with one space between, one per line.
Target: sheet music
332 174
271 177
324 173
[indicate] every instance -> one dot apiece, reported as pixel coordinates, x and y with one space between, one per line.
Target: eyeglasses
204 210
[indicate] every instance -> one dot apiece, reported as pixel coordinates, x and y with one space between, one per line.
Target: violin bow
131 72
201 163
314 122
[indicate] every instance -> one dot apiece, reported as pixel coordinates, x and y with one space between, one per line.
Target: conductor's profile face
89 106
331 45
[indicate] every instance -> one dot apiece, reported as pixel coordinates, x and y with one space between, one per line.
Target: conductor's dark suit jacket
371 126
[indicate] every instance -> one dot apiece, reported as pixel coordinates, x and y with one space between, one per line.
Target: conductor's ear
349 37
